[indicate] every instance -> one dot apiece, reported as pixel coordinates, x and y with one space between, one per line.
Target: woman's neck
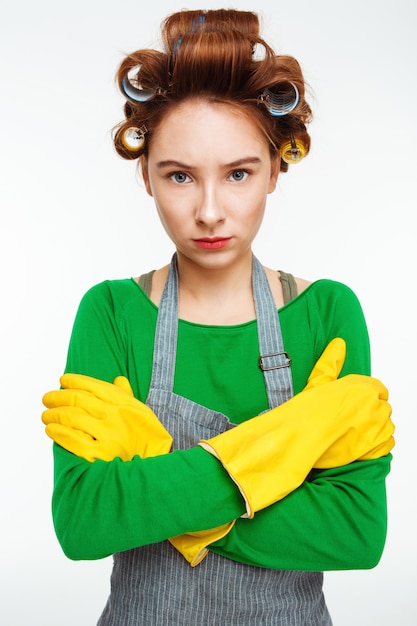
215 296
219 297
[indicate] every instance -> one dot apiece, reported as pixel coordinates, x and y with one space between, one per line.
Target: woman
214 517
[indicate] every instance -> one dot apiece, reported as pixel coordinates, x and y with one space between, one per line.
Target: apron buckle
282 361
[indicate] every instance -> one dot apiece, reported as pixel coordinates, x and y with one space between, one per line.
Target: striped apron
154 585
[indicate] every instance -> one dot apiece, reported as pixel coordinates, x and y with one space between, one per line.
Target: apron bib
154 585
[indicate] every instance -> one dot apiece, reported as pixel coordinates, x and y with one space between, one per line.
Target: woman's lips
212 243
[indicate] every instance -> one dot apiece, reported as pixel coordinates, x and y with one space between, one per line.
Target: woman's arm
104 507
336 521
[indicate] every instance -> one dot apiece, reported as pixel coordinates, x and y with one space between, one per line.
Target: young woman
224 454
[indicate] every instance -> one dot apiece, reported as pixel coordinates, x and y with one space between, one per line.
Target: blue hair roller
281 102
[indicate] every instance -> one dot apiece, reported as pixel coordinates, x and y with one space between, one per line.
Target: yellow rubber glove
329 365
99 420
329 424
194 546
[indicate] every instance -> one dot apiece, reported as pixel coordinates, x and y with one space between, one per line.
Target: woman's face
209 171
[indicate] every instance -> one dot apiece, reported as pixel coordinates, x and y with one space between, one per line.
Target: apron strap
274 361
166 333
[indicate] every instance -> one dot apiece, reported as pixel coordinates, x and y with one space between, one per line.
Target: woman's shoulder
115 294
324 292
105 288
319 286
295 286
301 284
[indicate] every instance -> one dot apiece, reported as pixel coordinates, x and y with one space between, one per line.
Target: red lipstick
212 243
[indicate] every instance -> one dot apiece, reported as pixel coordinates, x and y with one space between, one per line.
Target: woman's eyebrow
173 163
185 166
244 161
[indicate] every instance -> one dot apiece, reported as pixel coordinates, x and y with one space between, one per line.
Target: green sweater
337 520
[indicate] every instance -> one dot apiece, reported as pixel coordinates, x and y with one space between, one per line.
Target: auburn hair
218 56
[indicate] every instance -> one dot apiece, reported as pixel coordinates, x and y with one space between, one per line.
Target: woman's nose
209 210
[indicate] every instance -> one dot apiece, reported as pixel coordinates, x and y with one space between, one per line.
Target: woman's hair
218 56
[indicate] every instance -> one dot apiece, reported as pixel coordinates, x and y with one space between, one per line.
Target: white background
73 213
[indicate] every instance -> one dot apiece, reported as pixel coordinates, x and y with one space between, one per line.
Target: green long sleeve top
335 520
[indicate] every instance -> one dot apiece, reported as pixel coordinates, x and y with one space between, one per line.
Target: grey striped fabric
154 585
277 373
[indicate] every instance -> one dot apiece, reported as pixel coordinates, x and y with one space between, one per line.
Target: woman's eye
180 177
239 175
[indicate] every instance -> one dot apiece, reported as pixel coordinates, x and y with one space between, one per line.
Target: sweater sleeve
104 507
336 521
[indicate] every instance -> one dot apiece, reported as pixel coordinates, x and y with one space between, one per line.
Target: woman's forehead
201 120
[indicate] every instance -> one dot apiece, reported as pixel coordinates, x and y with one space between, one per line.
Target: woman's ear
275 167
145 174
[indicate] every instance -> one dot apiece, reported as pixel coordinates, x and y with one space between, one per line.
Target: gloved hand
329 365
332 422
99 420
194 546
